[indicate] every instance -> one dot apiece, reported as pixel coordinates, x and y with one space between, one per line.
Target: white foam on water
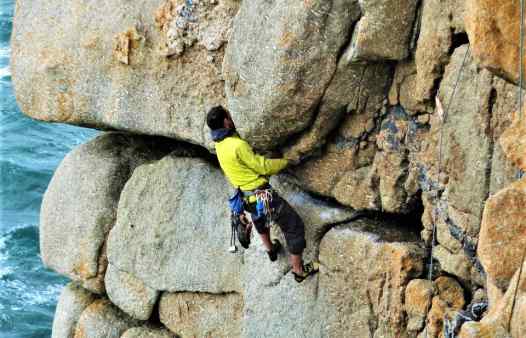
40 297
4 270
5 71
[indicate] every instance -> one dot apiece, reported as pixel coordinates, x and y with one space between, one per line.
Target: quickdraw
263 205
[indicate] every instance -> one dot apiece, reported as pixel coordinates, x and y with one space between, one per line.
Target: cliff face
386 184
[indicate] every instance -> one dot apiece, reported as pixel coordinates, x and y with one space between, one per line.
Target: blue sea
29 153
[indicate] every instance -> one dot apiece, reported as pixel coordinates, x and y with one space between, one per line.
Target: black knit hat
215 117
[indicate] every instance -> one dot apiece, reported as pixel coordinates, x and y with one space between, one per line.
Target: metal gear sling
242 220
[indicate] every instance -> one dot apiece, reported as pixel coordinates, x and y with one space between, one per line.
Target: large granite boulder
467 145
102 319
441 22
72 302
506 316
384 30
129 293
418 297
80 204
201 314
503 234
357 88
366 268
494 32
150 67
513 142
280 59
147 332
365 165
503 170
173 228
447 301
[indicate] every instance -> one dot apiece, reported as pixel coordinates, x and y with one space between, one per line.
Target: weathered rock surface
275 304
173 228
455 264
366 165
72 302
346 88
272 298
357 88
467 147
103 320
448 299
513 142
503 234
129 293
418 296
202 314
79 206
384 30
106 64
367 267
145 332
506 317
440 21
318 215
494 31
280 59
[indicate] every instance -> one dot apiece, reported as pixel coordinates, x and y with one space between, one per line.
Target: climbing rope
443 117
520 172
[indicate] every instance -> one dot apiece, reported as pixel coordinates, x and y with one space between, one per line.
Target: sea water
29 153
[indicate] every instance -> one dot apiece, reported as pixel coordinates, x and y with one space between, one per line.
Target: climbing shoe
308 270
273 254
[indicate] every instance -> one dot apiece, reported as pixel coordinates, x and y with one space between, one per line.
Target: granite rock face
385 181
384 30
279 61
373 263
146 332
129 293
173 213
447 300
80 204
513 142
72 302
109 64
503 234
201 314
494 31
357 89
506 316
103 320
418 296
369 155
440 21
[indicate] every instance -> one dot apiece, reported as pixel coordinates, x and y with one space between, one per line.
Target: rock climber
249 171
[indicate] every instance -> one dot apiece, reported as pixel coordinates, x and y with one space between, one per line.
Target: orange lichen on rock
494 33
513 142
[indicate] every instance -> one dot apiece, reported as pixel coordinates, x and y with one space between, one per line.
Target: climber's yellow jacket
242 167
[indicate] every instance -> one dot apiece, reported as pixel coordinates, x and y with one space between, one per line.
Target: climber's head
218 118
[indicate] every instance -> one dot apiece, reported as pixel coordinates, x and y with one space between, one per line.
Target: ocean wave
5 73
4 269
